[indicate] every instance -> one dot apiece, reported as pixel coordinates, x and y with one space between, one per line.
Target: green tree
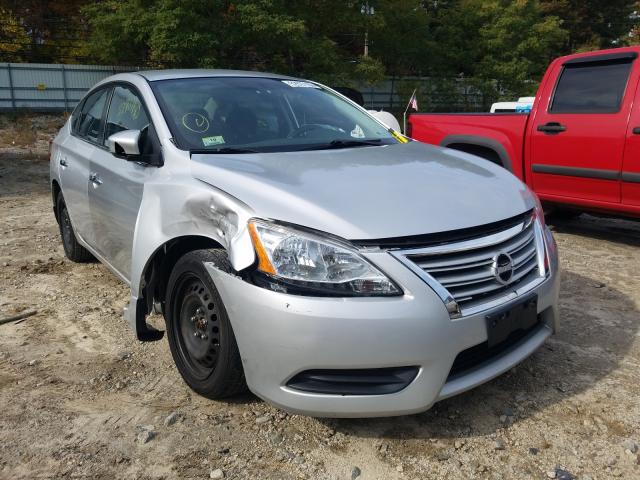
518 42
13 37
301 38
592 24
52 30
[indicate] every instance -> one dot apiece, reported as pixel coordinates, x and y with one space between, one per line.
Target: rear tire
72 248
200 335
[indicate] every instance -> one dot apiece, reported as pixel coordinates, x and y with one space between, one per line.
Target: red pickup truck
578 148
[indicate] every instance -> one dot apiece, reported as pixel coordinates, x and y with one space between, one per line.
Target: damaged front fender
186 207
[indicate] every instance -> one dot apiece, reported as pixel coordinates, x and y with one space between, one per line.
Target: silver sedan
299 247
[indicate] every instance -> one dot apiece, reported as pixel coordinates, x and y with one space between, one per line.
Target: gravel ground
81 398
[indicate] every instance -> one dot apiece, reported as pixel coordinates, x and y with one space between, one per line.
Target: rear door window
90 121
591 87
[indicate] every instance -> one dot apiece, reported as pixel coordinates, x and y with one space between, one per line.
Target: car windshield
247 114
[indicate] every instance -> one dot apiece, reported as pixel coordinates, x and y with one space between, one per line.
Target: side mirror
125 143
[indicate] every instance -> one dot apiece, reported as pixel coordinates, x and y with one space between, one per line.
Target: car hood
369 192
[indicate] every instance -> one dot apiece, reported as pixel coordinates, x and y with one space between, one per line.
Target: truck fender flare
489 143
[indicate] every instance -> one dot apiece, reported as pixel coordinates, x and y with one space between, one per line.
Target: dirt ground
80 398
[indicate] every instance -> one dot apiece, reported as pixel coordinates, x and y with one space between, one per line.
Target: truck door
631 162
577 136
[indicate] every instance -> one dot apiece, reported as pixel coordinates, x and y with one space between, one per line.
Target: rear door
115 191
578 136
74 157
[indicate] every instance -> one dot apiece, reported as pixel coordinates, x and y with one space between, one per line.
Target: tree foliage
504 44
593 24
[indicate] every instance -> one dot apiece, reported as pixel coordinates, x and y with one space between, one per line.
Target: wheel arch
486 148
160 264
55 191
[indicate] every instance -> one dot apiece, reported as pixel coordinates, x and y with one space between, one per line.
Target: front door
116 186
73 160
578 136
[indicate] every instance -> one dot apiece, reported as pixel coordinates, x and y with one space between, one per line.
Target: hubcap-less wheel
198 329
72 248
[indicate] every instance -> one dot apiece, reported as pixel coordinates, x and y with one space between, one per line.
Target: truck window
591 88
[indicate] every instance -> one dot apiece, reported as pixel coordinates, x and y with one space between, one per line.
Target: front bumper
281 335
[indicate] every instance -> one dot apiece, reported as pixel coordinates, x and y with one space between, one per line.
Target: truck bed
501 132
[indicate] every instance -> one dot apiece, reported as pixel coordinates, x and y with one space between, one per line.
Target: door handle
95 179
636 131
63 162
552 128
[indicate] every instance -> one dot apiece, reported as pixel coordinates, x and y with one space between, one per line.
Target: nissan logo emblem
502 267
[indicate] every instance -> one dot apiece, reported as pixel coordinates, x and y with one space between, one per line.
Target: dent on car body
201 211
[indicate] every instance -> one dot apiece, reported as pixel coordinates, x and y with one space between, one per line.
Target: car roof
154 75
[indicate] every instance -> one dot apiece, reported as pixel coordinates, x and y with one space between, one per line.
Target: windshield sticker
299 84
211 141
195 122
357 132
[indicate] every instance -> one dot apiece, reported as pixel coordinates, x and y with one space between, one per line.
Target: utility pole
367 10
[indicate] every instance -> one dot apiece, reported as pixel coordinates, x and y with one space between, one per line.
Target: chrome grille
465 268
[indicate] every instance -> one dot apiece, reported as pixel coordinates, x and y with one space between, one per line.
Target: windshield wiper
222 150
346 144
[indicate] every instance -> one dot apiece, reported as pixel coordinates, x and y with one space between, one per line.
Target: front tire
72 248
201 339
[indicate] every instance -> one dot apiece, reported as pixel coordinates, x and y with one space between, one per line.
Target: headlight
303 263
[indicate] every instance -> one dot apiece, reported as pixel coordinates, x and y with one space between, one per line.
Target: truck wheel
201 339
72 249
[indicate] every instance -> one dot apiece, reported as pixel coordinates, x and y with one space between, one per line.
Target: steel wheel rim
196 325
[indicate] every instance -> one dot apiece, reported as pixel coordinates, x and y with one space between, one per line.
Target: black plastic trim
631 177
480 142
482 354
606 58
577 172
313 289
369 381
441 238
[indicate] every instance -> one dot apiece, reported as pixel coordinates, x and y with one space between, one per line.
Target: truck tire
72 248
200 335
